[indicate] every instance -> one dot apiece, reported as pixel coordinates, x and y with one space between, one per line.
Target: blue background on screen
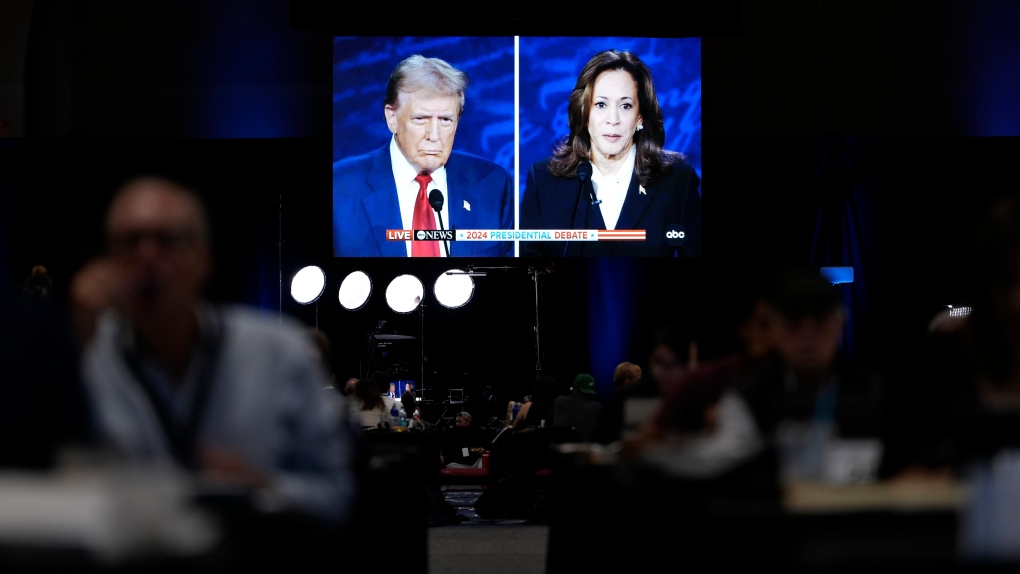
362 66
548 71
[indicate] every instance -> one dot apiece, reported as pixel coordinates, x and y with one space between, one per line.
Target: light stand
368 353
535 273
421 315
279 248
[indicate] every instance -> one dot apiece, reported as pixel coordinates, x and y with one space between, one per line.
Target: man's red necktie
423 219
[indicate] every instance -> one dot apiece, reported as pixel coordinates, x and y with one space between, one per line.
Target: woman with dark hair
371 408
611 171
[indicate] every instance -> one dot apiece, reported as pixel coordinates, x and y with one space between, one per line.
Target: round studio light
404 293
454 288
307 285
355 290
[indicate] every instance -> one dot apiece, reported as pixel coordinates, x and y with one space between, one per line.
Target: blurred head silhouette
625 374
994 284
807 321
674 351
158 237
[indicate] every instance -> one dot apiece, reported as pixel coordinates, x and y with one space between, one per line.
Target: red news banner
516 235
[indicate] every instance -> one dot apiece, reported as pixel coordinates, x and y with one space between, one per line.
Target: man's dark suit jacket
480 196
549 201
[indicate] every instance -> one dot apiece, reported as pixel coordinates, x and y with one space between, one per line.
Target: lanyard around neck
181 438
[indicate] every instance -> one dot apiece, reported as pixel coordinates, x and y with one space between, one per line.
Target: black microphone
436 200
584 174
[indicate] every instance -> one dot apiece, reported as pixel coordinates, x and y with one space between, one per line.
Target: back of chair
532 448
565 435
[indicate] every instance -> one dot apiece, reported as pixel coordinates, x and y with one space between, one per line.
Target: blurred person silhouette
813 401
702 446
673 351
350 403
524 448
349 386
95 288
692 407
324 350
44 410
334 396
537 411
625 374
961 404
228 395
44 413
734 432
409 400
948 320
371 408
517 454
463 443
579 409
518 451
39 283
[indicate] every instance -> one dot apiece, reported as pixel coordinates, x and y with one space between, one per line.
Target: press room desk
614 516
806 498
861 527
398 470
130 522
144 522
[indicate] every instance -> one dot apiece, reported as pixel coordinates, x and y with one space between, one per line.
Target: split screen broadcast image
516 146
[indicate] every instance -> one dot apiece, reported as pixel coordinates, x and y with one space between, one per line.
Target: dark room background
868 136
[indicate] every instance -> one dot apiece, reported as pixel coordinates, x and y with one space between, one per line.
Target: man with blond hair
394 187
626 374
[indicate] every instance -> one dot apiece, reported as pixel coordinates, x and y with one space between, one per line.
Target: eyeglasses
165 239
658 364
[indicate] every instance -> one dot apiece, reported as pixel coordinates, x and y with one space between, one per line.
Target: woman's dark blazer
672 201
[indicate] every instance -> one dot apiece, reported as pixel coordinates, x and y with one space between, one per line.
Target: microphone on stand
436 200
583 175
591 185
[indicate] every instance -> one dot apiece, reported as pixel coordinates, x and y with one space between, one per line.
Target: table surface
930 495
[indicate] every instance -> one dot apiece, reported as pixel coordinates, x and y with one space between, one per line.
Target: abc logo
675 235
420 235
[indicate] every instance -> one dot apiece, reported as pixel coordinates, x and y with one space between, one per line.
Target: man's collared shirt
407 191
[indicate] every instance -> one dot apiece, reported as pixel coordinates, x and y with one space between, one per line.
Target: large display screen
561 147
